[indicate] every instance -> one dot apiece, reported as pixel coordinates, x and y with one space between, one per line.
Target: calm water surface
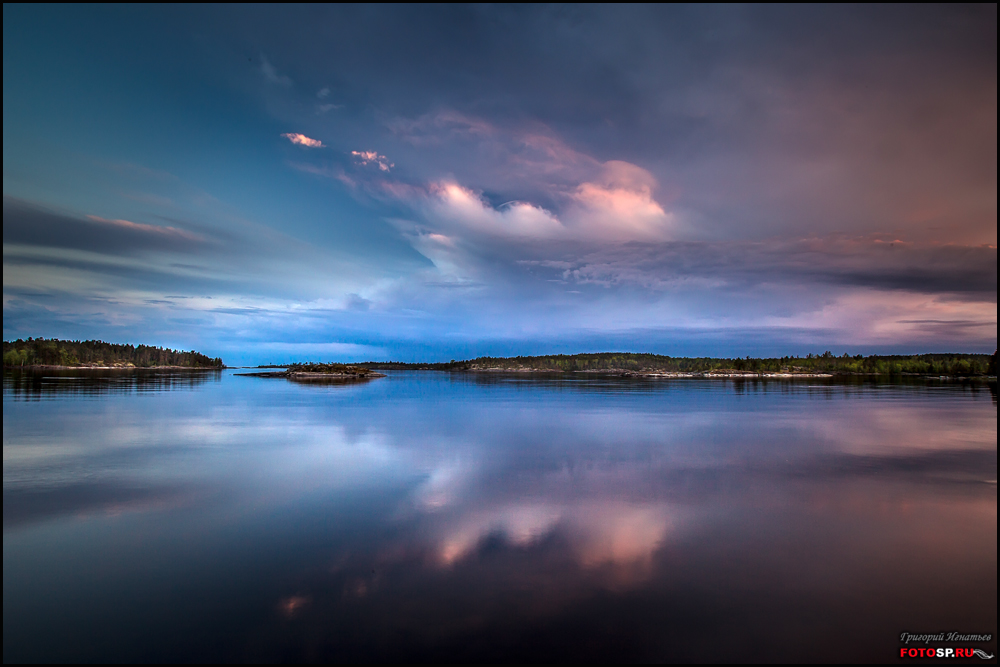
423 516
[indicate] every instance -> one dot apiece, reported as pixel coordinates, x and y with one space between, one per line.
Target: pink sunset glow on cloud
302 140
875 317
585 199
595 211
364 158
620 206
592 201
602 533
462 209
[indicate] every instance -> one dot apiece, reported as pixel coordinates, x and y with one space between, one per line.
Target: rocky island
320 373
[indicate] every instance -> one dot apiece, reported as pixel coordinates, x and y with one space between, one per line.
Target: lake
435 516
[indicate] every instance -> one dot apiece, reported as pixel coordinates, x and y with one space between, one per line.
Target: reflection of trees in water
27 385
585 382
845 385
857 385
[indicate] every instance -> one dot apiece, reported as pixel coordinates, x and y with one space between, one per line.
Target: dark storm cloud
25 224
757 120
587 61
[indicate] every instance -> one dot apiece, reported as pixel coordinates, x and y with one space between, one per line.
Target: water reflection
52 383
430 516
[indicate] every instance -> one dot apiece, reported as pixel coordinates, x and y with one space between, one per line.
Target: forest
960 365
97 353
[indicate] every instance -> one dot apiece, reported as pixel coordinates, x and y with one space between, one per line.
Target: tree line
962 365
54 352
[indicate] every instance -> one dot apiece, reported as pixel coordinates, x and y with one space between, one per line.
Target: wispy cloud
525 160
439 127
302 140
833 261
271 74
27 225
148 229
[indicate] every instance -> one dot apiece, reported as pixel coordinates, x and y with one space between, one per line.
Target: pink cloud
604 532
364 158
619 205
594 201
875 316
302 140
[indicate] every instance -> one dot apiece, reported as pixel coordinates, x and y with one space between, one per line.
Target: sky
413 183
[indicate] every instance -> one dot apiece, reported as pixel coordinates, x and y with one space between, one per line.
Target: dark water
427 516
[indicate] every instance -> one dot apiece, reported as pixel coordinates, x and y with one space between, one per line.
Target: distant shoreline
693 376
654 365
368 374
710 374
50 367
659 374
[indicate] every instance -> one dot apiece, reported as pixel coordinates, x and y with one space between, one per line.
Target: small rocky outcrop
322 373
330 371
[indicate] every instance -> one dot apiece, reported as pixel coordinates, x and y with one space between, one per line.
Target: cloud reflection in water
506 517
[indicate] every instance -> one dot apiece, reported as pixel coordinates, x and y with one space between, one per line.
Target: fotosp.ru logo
945 651
950 652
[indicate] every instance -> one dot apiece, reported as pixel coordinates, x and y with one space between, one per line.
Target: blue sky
427 183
